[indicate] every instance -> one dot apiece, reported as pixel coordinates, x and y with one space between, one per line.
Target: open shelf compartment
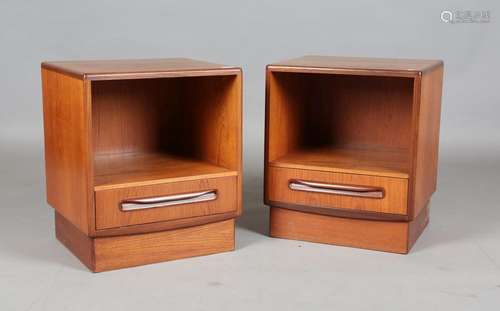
340 123
146 131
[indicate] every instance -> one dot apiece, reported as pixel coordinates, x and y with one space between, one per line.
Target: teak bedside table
143 158
352 149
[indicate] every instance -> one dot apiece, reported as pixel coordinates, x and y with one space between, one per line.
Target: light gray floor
455 264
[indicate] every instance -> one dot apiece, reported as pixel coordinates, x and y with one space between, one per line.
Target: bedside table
143 158
352 149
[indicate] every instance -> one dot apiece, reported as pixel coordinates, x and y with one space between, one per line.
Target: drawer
163 202
338 190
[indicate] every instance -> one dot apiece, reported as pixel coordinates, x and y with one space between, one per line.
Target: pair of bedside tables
144 157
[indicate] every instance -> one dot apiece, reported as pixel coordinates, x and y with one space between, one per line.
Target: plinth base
109 253
388 236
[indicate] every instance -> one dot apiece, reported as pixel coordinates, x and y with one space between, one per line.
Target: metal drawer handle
176 199
339 189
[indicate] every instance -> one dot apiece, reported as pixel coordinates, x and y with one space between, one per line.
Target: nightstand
352 149
143 158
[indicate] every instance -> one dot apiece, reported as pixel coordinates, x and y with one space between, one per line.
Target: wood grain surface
133 250
357 65
109 215
345 159
388 236
161 130
109 253
138 68
68 152
354 121
137 127
427 141
393 202
140 169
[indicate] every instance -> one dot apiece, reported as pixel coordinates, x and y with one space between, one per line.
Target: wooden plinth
109 253
388 236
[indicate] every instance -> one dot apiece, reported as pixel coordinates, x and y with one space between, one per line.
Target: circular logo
447 16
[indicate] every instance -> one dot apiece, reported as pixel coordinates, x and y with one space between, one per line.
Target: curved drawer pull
338 189
176 199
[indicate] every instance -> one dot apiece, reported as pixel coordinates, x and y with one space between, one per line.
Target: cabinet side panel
428 138
285 124
67 158
235 96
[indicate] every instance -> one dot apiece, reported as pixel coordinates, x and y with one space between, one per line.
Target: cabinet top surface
138 68
313 63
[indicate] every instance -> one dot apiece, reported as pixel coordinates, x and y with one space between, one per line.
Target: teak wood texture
138 130
109 216
68 152
387 236
355 124
394 200
138 68
109 253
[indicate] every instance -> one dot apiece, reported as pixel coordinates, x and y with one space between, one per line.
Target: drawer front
338 190
163 202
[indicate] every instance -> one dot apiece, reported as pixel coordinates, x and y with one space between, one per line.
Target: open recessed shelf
348 159
156 130
149 168
341 123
